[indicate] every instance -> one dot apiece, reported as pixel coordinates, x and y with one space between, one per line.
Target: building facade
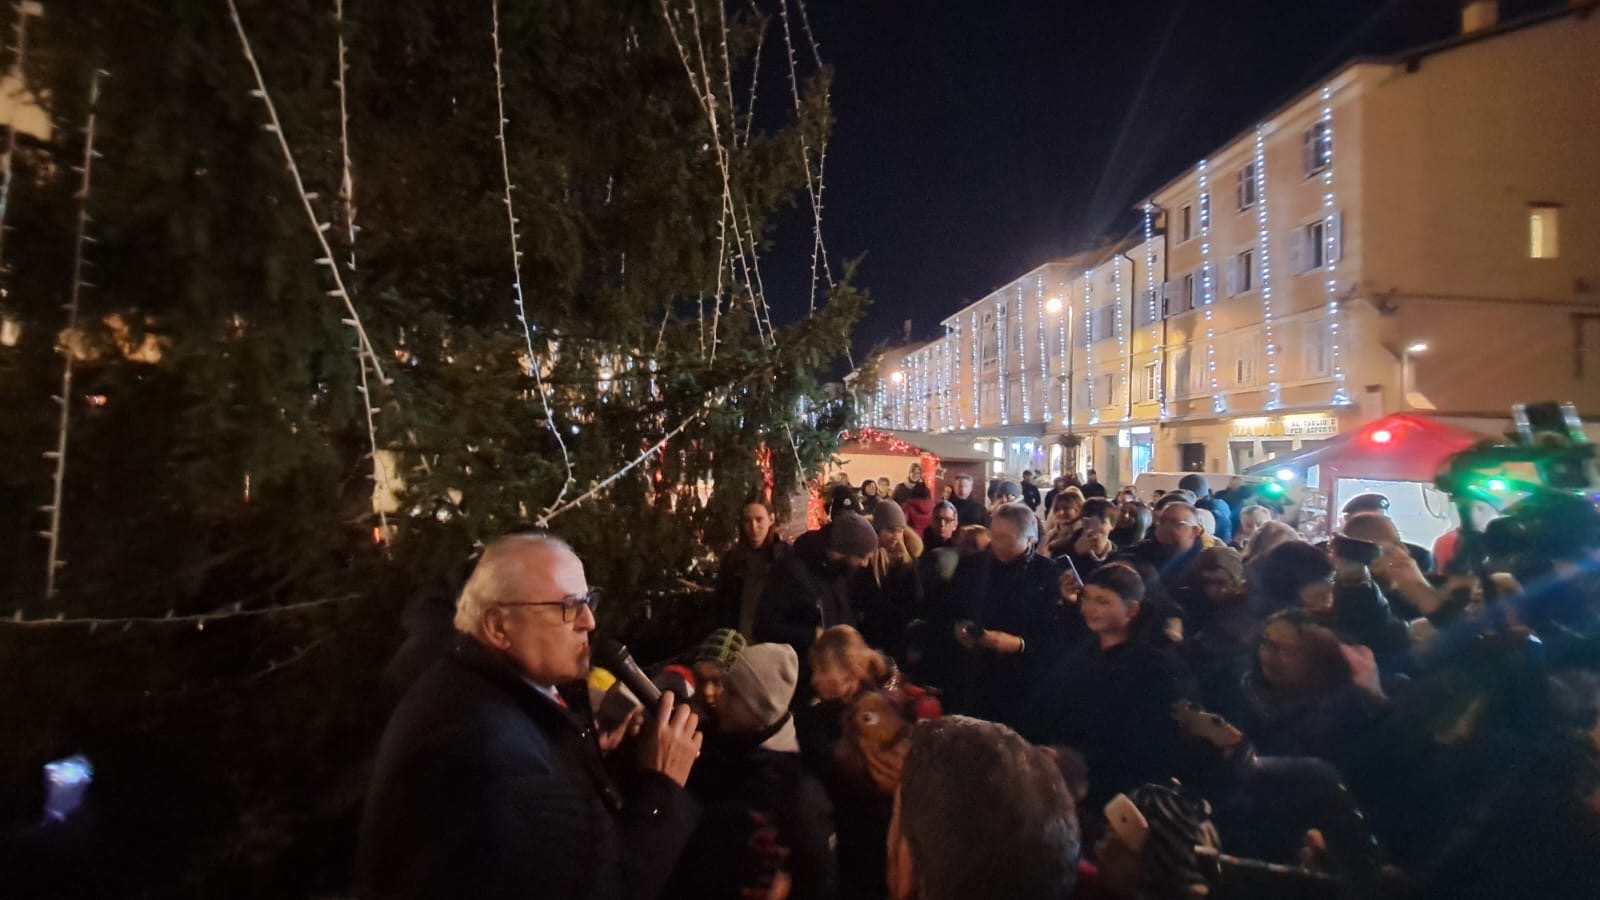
1420 232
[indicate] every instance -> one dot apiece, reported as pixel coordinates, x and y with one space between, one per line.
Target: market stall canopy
1401 447
948 447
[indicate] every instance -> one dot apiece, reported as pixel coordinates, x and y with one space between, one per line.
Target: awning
1401 447
950 447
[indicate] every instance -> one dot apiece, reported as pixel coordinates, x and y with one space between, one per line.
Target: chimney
1479 15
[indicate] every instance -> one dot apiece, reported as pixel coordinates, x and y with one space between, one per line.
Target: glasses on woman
570 606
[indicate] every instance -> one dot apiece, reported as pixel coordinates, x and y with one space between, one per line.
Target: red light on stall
1382 436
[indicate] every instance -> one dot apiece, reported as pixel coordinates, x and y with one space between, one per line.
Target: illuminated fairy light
1000 329
1218 404
1044 353
54 563
1274 392
534 365
347 200
1154 311
1063 313
1088 342
819 252
18 61
1122 342
1022 365
1341 396
973 342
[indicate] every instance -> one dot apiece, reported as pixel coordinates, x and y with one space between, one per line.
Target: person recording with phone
490 779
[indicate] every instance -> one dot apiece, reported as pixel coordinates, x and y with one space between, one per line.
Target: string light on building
1088 342
1000 330
1062 313
1022 363
1330 250
1218 404
1263 250
1153 311
1122 341
973 341
1044 353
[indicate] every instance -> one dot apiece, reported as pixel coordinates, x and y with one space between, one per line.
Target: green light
1272 487
1498 485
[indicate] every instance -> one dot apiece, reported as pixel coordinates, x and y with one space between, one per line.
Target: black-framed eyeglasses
570 606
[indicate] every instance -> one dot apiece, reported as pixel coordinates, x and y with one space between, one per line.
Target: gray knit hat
888 516
852 535
762 679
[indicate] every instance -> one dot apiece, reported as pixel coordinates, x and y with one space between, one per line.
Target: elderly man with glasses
490 780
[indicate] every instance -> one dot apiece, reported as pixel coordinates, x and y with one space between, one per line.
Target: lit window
1317 148
1544 232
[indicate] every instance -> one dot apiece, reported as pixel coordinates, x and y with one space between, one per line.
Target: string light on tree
1330 251
1263 249
53 561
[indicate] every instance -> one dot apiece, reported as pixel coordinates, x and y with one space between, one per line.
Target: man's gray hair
1020 516
499 575
944 505
1256 511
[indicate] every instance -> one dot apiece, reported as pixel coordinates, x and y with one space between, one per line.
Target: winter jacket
1023 598
744 787
1329 725
1030 495
1115 707
742 582
485 788
919 513
1223 513
970 511
802 597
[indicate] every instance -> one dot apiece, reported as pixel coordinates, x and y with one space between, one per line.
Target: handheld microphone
614 656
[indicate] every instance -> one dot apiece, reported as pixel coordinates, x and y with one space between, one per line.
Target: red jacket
919 513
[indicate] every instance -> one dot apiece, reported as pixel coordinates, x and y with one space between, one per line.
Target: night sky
977 140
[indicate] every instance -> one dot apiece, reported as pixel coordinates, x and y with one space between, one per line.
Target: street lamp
1053 305
1412 349
897 376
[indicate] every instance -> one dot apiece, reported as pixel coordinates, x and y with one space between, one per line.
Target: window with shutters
1314 346
1200 371
1179 363
1151 382
1147 308
1106 391
1186 223
1246 358
1240 274
1103 323
1247 187
1317 244
1317 148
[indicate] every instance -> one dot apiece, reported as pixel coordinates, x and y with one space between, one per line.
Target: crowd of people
1060 694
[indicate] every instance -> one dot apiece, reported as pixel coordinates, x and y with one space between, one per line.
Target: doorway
1192 457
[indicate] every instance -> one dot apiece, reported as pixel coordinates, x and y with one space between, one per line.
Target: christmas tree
327 336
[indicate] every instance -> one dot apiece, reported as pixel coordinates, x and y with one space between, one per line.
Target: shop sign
1321 425
1312 425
